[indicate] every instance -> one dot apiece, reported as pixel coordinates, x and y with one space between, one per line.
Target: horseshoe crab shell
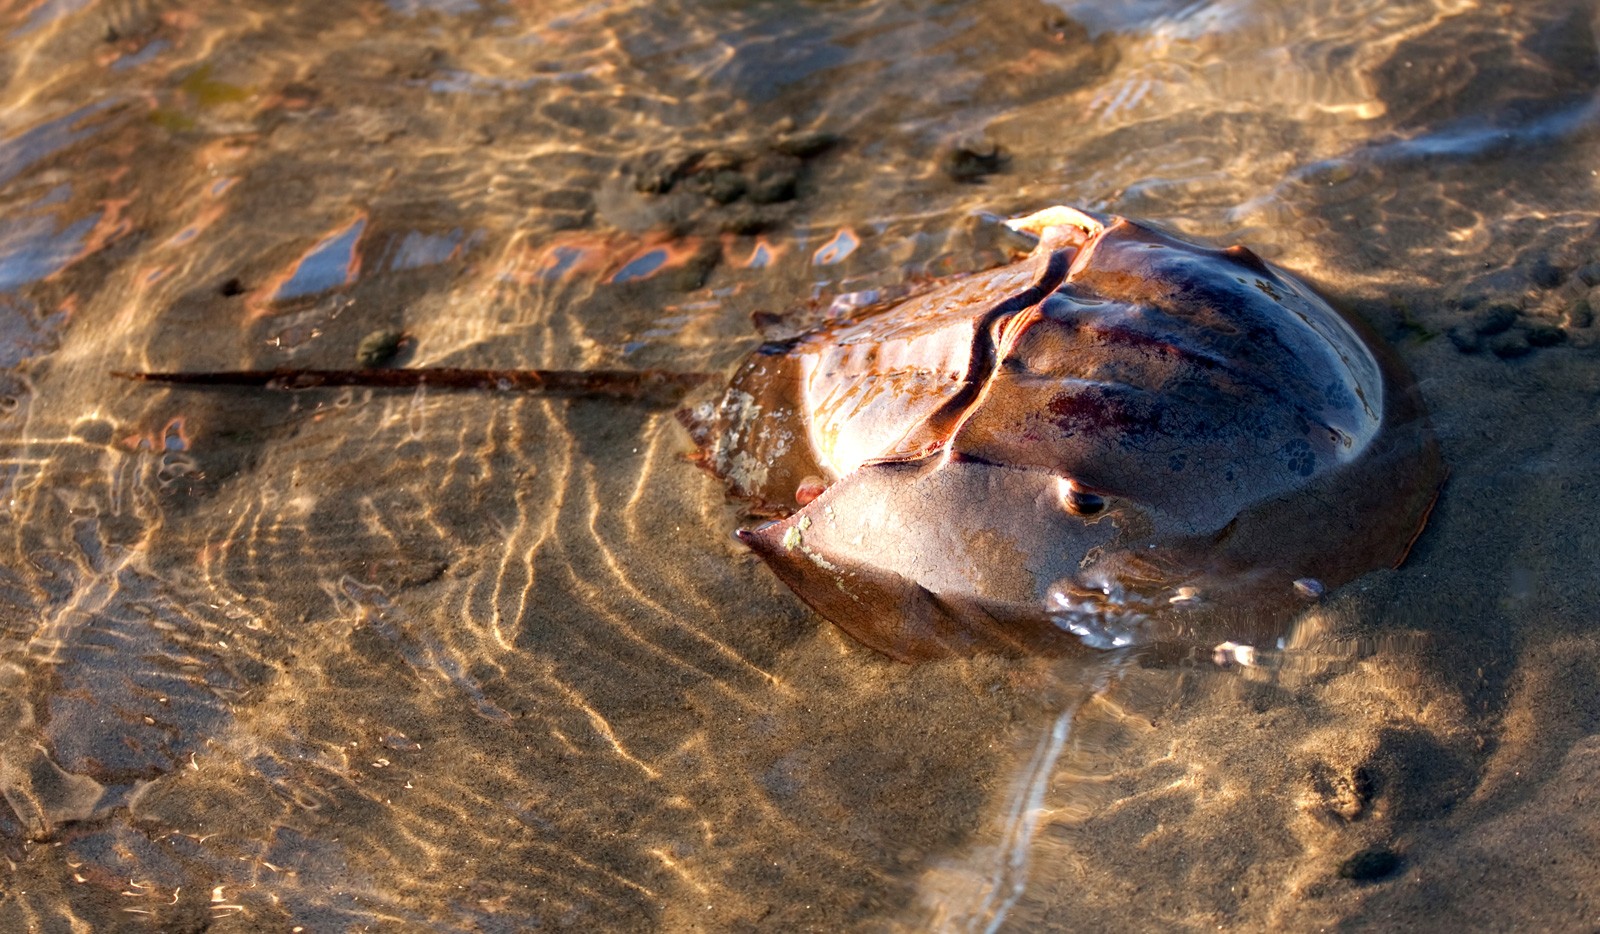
1123 437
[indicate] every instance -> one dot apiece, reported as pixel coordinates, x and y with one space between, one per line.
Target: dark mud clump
739 189
1501 329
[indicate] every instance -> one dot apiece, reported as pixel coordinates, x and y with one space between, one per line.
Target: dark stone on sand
1371 865
380 347
231 288
1510 345
1496 319
1589 274
971 161
1545 274
1465 339
806 145
1545 335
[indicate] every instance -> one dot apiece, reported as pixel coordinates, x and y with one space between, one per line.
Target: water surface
342 659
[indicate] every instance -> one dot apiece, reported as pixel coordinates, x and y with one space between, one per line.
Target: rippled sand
345 659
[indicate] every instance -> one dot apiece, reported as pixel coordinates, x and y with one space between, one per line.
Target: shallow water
344 659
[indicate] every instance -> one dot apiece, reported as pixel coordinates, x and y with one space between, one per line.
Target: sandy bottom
340 660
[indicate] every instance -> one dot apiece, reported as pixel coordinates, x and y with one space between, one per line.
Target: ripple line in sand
536 523
602 726
423 657
658 452
676 621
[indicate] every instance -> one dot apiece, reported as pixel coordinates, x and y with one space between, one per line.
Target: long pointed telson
653 387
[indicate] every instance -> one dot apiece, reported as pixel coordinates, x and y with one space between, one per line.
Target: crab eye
1080 502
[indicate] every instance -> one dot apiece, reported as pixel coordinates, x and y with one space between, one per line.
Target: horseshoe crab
1123 437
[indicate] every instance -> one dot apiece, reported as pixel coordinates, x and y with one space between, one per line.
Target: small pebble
1371 865
1589 274
1545 335
1309 587
380 347
1496 319
1510 345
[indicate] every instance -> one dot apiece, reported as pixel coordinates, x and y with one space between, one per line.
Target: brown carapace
1123 438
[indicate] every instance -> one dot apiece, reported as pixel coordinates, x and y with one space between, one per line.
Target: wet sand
348 660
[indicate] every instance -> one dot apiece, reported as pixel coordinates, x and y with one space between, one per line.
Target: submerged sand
425 661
